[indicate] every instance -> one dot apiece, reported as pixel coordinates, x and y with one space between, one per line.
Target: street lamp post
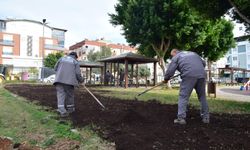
44 23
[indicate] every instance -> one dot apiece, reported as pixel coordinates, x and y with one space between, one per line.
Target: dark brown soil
136 125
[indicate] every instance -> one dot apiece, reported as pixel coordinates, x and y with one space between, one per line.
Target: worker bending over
192 70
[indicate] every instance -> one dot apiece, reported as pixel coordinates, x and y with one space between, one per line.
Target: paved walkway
233 93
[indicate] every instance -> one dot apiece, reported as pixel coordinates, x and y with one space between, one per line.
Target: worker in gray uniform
68 76
192 69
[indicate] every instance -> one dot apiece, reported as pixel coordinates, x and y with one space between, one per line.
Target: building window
60 36
248 66
234 58
7 50
242 63
241 48
29 45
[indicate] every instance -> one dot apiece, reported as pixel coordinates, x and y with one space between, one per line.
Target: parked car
50 79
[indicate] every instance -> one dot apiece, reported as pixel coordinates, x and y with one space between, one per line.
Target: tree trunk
163 67
161 51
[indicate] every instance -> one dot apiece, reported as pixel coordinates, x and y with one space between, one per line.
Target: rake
153 87
97 100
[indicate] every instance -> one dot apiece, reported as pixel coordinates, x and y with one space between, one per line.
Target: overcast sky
82 18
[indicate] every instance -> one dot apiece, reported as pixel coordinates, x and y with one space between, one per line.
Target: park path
233 93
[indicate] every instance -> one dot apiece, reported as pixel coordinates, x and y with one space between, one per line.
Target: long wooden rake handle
150 89
94 97
155 86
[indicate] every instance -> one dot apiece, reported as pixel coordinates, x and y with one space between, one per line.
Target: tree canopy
239 10
218 41
160 25
51 60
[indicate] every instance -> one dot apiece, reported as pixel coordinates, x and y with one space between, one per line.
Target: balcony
53 47
6 42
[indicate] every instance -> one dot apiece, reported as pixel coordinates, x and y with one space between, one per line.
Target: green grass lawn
170 96
24 121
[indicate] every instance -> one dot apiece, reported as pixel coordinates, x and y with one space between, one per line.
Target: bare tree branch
238 12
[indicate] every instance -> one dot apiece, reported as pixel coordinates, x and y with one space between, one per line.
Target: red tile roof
98 43
119 46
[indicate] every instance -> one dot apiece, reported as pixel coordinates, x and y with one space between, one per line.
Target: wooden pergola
129 59
232 70
90 66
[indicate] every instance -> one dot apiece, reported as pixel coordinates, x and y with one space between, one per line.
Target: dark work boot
180 121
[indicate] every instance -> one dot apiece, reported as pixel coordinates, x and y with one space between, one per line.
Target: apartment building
240 55
84 47
24 43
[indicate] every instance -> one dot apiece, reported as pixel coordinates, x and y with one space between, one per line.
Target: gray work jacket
189 64
68 71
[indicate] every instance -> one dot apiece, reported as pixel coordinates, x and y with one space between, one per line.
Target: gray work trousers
65 96
187 86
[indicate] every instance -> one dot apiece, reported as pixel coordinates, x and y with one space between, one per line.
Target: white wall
26 29
23 62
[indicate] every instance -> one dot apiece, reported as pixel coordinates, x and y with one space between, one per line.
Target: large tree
159 25
218 41
239 10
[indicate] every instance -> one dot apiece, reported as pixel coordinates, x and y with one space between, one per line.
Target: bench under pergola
90 66
128 59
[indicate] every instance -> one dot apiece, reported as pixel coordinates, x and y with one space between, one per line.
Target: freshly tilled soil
137 125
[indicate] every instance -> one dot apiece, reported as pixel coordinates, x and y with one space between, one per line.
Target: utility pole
44 23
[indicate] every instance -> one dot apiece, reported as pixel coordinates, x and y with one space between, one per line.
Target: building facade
237 57
240 55
24 43
84 47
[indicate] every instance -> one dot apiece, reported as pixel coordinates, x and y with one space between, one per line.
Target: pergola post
232 76
118 73
132 73
86 75
126 73
104 72
114 72
111 66
90 73
102 76
137 74
155 72
111 72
